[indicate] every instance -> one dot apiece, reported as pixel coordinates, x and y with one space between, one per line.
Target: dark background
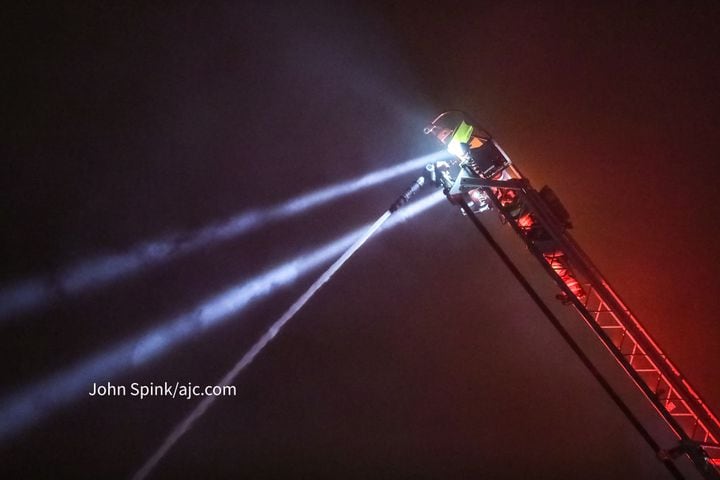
422 358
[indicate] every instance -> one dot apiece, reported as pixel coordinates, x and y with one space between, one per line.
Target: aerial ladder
528 229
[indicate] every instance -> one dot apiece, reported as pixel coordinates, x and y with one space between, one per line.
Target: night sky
423 357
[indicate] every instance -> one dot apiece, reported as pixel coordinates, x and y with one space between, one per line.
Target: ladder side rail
704 462
642 363
580 261
597 328
664 358
575 346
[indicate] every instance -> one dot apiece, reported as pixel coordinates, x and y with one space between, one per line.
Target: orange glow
525 222
558 263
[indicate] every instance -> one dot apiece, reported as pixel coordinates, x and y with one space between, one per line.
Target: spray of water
271 333
250 355
39 400
37 292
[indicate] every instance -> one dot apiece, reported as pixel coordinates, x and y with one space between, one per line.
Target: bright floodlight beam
37 292
185 425
30 405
